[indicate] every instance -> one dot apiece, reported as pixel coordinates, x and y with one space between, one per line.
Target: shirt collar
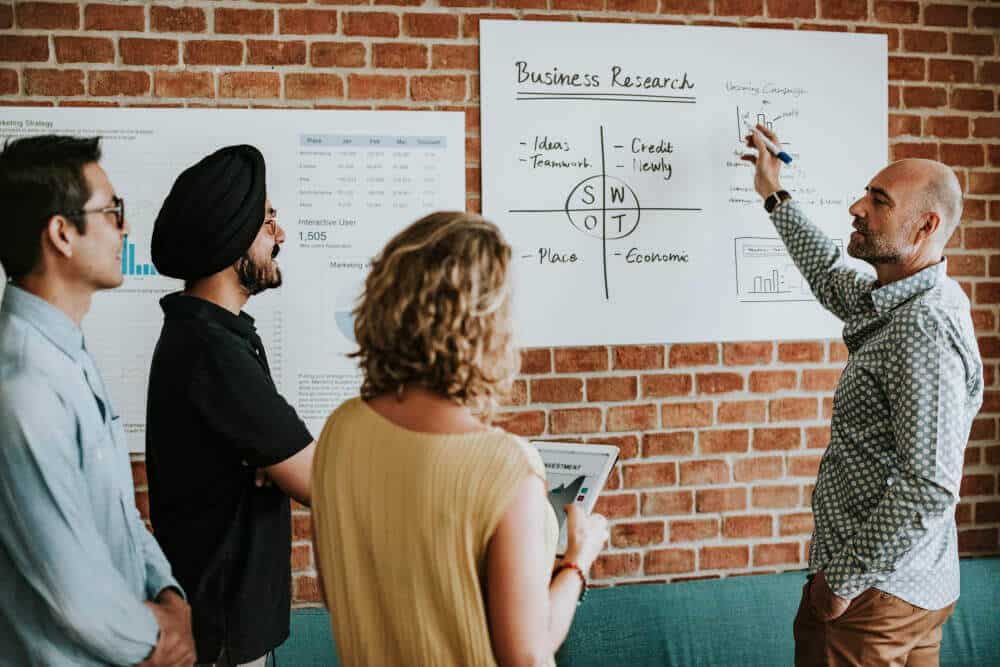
888 297
51 322
179 304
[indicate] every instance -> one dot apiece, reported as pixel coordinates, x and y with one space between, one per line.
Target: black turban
212 214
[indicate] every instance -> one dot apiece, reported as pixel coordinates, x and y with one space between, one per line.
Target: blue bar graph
129 267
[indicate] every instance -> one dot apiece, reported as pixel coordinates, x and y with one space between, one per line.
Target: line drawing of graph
747 120
129 265
765 272
589 213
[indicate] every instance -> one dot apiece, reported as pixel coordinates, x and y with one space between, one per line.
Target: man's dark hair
40 177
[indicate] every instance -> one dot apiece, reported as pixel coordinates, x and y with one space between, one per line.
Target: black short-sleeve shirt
213 417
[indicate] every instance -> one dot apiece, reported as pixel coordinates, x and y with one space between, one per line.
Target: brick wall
720 442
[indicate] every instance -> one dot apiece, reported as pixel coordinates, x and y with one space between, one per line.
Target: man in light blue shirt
82 582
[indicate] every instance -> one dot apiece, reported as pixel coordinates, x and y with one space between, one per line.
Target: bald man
884 557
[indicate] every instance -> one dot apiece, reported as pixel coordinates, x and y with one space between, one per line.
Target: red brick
371 24
900 125
774 497
645 475
632 6
971 99
775 554
522 4
557 390
522 423
301 527
612 388
803 466
963 155
455 56
669 561
177 19
244 21
713 471
986 17
135 51
631 418
679 443
312 86
578 5
6 17
183 84
988 512
983 429
665 385
739 7
974 209
667 503
894 97
109 82
803 352
685 7
718 383
679 415
982 319
896 12
963 513
901 151
796 524
518 394
848 10
616 565
306 589
616 506
431 25
745 527
84 49
698 354
954 127
907 69
470 22
536 361
982 539
337 54
48 15
955 16
972 456
793 409
581 359
838 351
724 558
634 357
53 82
970 44
791 9
747 354
723 442
891 34
374 86
977 485
951 71
986 127
17 48
139 478
989 72
741 412
249 84
925 41
993 455
981 238
114 17
574 420
301 557
273 52
774 439
307 21
710 501
758 468
821 379
200 52
637 534
983 184
693 530
770 382
917 97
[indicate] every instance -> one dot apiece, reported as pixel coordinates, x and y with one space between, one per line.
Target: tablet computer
574 473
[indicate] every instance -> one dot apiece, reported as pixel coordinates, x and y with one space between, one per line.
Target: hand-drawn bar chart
765 272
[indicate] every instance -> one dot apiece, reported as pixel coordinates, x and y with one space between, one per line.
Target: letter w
617 194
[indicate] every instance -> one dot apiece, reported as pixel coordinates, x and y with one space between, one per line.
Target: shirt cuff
157 584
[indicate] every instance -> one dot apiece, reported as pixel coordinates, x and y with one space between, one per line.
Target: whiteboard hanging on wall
611 160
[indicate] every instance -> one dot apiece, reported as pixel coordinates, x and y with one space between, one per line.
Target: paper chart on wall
611 161
343 182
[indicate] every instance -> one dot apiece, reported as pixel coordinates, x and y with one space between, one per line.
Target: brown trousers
878 629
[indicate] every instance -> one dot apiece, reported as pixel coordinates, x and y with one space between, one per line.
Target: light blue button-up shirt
76 560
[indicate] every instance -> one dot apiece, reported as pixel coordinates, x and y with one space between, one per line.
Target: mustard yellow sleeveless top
402 521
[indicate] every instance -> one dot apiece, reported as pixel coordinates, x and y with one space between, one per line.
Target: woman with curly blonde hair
434 539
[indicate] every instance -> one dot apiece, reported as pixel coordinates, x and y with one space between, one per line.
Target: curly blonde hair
435 312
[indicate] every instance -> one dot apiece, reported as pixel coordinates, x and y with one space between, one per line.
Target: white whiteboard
605 145
342 181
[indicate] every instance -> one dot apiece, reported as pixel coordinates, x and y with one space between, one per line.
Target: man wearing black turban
216 426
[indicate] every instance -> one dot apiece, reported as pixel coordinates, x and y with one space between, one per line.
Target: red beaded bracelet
570 565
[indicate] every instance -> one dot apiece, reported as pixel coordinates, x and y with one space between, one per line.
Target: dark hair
40 177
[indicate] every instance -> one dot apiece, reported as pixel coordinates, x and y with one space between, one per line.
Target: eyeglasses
118 210
271 218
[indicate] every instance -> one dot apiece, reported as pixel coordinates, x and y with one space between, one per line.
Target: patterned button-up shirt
76 560
888 483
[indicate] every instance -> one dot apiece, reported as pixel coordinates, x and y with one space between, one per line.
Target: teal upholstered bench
720 622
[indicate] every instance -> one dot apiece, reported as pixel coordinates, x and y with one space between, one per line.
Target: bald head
933 187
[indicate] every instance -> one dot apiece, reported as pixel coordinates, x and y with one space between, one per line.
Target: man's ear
927 226
59 234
